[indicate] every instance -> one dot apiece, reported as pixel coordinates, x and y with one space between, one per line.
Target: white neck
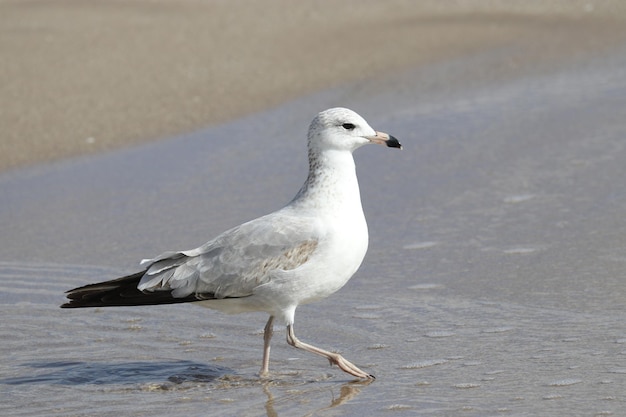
332 184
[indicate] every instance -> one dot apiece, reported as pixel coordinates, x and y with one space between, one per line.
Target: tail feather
120 292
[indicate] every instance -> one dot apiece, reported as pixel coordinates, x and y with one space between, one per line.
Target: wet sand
83 77
493 285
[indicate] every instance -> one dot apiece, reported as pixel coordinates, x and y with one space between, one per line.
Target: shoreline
105 75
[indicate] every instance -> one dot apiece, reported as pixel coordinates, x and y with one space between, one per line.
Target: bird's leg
334 358
267 337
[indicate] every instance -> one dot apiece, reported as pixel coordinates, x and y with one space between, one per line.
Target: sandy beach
494 279
83 77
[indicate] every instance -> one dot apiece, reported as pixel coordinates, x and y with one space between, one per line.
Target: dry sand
79 77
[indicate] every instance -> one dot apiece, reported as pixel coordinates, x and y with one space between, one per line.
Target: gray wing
237 261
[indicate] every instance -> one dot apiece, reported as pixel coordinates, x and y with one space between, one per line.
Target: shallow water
494 284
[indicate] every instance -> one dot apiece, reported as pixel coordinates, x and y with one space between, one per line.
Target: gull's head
343 129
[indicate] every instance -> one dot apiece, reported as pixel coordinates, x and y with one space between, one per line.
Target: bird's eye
348 126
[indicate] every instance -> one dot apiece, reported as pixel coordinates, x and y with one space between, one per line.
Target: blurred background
80 77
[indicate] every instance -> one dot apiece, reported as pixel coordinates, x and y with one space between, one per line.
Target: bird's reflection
341 394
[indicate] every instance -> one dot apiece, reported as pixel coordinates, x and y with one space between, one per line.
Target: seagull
299 254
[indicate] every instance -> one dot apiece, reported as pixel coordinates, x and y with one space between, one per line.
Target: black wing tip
123 292
71 305
103 294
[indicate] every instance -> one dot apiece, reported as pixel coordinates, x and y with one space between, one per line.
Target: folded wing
229 266
237 261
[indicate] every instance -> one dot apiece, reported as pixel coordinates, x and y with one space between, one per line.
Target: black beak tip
393 142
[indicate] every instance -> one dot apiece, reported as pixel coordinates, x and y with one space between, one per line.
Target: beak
382 138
